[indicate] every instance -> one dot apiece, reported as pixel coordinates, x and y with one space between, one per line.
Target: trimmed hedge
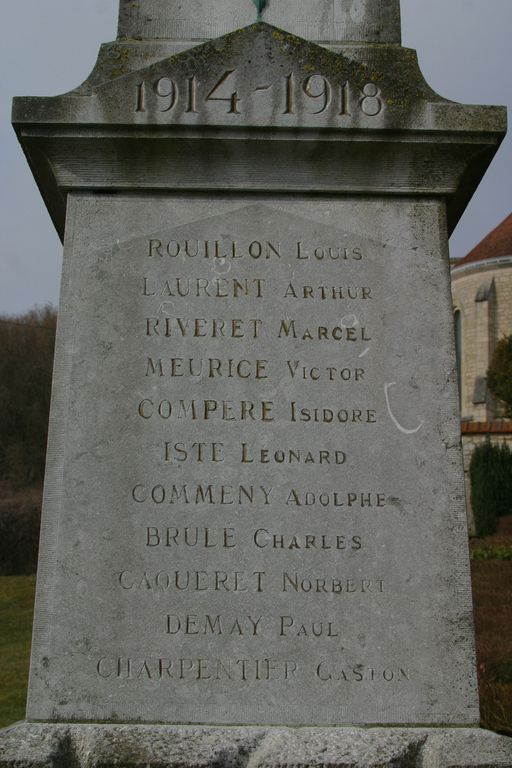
491 486
491 553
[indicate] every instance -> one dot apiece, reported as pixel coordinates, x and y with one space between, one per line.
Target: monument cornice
113 159
366 114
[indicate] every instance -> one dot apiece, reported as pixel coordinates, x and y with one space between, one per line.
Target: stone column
328 22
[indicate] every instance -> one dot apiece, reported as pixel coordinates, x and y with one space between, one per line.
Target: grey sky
49 47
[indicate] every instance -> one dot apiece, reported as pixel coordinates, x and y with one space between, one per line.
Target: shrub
503 480
491 553
491 486
26 361
20 518
499 375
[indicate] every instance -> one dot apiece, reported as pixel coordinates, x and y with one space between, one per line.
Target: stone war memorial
254 542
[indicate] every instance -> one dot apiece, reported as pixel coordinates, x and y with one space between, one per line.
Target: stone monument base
41 745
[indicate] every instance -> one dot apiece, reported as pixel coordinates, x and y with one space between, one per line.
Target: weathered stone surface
106 746
213 126
467 749
304 748
258 77
254 503
355 571
34 746
324 21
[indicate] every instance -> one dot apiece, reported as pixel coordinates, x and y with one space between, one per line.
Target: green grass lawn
16 608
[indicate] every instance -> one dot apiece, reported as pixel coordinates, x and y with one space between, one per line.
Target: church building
482 306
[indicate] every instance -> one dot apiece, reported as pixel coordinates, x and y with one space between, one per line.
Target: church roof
497 243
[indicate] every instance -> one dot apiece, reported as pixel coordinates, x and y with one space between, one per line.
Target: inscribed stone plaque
254 502
254 492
